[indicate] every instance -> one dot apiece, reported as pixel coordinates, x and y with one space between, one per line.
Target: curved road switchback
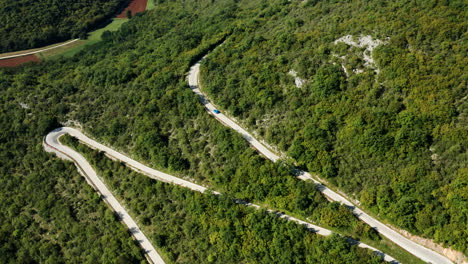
52 144
414 248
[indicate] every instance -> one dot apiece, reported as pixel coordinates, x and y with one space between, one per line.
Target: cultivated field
136 6
13 62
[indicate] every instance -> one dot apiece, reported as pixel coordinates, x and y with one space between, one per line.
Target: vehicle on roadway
216 111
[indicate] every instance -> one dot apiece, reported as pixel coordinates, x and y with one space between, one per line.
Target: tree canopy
29 24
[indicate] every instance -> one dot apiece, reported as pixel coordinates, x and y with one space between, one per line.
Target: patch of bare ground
366 42
298 81
452 254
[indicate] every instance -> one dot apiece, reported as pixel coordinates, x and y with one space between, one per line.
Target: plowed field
136 6
13 62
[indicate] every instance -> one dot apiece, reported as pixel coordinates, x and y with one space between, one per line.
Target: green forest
397 139
130 92
26 24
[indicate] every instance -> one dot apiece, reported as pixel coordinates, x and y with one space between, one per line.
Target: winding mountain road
414 248
52 144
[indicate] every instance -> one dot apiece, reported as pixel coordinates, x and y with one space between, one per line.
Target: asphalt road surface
52 144
414 248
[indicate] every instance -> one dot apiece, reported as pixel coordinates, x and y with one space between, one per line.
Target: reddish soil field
136 6
13 62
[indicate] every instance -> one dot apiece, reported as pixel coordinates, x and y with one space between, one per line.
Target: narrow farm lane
414 248
34 51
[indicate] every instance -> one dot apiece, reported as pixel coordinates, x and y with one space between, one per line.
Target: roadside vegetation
394 135
30 24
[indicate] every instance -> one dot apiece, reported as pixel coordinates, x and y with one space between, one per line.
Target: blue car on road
216 111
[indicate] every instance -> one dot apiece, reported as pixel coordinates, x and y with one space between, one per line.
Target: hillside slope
370 95
130 92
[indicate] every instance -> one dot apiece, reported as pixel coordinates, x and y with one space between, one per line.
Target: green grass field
93 38
150 5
